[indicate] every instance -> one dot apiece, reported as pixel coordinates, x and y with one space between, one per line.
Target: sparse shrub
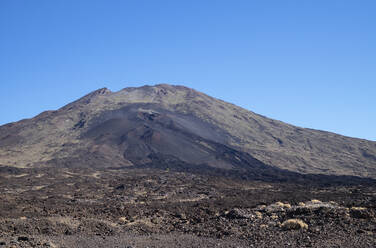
358 208
274 217
258 214
123 219
262 207
294 224
277 207
283 205
279 204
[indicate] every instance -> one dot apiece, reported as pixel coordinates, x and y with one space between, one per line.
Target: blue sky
308 63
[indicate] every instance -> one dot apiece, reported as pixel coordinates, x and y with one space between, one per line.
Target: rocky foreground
165 208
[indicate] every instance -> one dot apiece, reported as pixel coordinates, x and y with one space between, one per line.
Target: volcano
175 126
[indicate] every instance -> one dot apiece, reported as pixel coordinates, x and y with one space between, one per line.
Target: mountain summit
173 125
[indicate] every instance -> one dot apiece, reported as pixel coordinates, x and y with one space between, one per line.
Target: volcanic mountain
167 126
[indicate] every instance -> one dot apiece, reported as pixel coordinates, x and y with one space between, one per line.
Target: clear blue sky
308 63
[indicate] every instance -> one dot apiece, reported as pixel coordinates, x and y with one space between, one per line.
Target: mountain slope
135 125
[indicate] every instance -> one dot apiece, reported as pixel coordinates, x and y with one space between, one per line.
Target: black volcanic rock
167 125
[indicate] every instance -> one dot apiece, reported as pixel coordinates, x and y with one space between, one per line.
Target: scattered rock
237 213
49 244
23 238
100 209
120 187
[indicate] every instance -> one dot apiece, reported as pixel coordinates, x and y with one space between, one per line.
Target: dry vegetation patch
294 224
